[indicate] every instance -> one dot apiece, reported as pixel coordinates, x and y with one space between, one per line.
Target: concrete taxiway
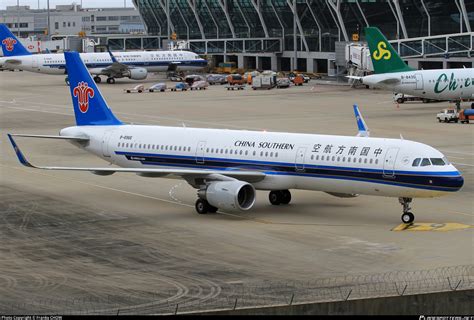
75 241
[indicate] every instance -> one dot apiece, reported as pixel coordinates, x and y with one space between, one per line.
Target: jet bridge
433 46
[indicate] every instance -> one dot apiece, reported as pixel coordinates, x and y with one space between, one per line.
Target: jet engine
229 195
137 73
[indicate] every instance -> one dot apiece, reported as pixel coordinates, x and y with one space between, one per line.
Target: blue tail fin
90 107
11 46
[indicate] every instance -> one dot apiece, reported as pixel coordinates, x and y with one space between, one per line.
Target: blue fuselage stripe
442 181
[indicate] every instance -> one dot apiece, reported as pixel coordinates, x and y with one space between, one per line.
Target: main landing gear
110 80
67 81
278 197
97 79
407 216
203 207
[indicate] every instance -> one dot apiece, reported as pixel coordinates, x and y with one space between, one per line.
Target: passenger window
276 155
416 162
312 157
254 153
246 152
317 157
425 162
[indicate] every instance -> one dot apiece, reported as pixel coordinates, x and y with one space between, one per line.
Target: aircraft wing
115 70
189 175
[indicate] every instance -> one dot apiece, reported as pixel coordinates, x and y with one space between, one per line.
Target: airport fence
265 293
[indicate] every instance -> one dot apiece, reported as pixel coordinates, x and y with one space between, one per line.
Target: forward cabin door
200 149
389 162
300 157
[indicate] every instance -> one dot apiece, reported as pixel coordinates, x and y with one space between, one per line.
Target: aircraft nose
454 182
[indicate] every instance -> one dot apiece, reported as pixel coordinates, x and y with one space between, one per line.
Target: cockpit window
437 161
416 162
425 162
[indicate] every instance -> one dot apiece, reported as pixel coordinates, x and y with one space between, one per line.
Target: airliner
226 167
392 73
132 64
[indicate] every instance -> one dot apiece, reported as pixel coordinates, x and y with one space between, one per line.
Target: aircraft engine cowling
137 73
230 195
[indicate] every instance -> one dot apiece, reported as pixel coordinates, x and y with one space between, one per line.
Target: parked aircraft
131 64
392 73
227 166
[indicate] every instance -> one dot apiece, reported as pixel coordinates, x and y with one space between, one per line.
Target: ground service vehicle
283 83
466 115
448 115
216 79
199 85
158 87
402 98
138 88
180 86
235 79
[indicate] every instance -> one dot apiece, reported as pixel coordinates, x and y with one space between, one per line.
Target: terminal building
71 20
304 34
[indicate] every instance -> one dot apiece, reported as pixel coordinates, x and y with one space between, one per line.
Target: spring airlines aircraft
393 74
227 166
133 64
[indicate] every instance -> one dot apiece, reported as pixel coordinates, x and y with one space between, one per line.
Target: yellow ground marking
425 226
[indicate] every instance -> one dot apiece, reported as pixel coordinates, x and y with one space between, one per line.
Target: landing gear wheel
408 217
275 198
67 81
97 79
202 206
285 196
110 80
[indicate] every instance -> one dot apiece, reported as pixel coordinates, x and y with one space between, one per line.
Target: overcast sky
52 3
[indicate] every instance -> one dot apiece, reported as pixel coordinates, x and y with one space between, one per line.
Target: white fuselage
336 164
440 84
152 61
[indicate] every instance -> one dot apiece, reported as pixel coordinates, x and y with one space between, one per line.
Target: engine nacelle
230 195
137 73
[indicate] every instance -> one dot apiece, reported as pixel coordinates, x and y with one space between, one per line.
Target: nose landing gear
407 216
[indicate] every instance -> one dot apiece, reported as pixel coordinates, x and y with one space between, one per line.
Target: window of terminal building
101 18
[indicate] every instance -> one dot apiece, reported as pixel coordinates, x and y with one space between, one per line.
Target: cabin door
299 161
389 162
106 144
419 81
200 149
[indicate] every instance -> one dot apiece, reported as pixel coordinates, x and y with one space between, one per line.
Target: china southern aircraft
131 64
227 166
392 73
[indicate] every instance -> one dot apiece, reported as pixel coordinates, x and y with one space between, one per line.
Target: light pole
49 22
295 43
18 17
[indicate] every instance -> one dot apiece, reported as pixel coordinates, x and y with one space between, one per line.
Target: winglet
363 129
19 154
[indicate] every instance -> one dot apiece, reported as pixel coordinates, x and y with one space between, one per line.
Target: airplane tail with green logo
384 57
